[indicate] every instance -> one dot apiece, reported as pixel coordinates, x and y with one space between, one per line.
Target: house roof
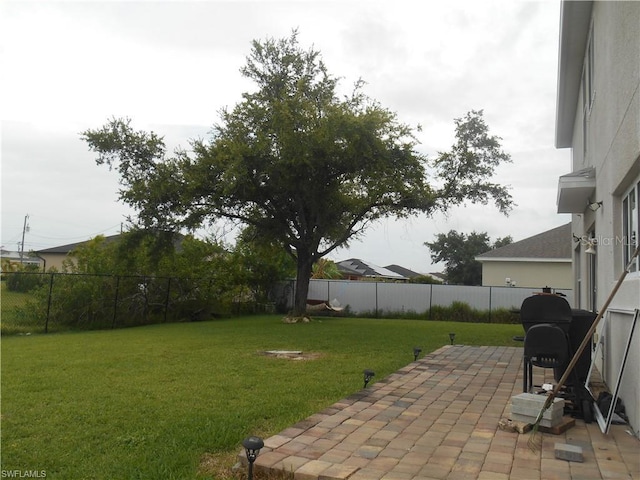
438 276
552 245
344 270
368 269
26 257
411 274
405 272
65 249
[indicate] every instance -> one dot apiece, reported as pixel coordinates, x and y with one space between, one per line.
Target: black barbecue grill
552 333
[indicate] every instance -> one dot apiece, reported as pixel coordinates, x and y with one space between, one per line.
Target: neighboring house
405 272
54 257
598 117
356 269
438 276
410 274
543 260
15 258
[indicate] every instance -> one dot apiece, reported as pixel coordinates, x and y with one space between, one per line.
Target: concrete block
567 423
534 412
531 400
571 453
545 422
526 407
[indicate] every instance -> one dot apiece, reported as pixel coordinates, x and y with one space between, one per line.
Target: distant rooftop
552 244
368 269
72 246
405 272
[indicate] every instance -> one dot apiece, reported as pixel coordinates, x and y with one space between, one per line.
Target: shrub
25 279
147 277
456 312
504 315
462 312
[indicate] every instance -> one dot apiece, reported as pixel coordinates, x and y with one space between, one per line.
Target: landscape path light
252 446
416 352
368 375
452 337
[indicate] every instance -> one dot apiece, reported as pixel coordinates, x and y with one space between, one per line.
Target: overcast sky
171 67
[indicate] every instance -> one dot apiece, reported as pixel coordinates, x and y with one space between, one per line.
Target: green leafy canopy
308 170
459 251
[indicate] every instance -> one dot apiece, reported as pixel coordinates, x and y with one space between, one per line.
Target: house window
630 223
588 91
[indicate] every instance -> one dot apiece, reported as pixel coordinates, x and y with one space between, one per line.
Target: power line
80 237
24 240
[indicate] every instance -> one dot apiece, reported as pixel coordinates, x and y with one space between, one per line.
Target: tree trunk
305 266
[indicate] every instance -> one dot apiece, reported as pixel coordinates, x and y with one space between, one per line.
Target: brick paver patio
437 418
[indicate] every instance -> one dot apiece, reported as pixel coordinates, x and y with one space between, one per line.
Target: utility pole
25 228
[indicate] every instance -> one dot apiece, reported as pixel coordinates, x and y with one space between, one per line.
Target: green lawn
152 402
10 321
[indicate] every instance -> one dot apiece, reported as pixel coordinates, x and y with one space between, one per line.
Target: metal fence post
430 299
377 300
115 302
166 299
490 301
145 309
46 323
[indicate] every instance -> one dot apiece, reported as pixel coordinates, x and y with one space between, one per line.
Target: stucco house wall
598 117
53 260
532 274
542 260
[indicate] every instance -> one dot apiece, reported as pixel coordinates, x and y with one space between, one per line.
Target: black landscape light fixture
368 375
416 352
252 446
452 337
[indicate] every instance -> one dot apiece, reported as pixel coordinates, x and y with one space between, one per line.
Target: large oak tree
305 168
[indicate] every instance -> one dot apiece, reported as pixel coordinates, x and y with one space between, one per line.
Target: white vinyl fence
378 297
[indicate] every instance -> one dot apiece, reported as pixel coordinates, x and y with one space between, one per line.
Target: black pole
115 302
145 311
166 300
252 447
46 323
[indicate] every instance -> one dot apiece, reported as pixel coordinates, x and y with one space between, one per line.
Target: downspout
44 262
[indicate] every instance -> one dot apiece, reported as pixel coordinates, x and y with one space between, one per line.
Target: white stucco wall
53 260
557 275
613 148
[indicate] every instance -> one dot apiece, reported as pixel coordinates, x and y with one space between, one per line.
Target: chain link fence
46 302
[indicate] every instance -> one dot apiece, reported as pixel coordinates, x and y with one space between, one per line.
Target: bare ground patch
224 466
291 354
